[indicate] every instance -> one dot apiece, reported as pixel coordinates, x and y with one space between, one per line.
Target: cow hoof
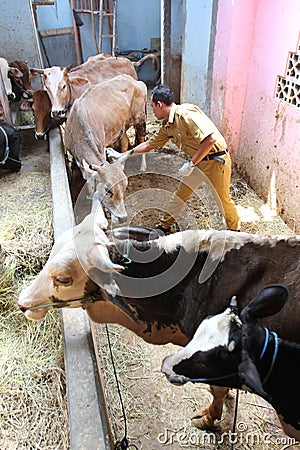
202 422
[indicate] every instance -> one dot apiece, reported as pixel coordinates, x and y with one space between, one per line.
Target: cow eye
64 87
65 281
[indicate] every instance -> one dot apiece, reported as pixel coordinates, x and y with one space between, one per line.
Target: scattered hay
33 409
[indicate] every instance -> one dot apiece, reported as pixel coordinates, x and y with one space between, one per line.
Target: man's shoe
164 230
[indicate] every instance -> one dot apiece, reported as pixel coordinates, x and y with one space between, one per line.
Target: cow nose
27 94
22 308
40 136
58 114
122 219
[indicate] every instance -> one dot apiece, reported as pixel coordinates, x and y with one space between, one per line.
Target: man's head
161 101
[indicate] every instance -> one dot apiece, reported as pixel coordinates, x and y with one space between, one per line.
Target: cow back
100 69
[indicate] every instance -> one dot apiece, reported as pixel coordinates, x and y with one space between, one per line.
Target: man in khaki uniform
197 136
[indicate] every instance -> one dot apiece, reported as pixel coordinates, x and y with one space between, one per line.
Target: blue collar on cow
174 378
6 150
67 107
275 353
182 380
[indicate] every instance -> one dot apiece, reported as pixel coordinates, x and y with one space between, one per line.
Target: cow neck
20 86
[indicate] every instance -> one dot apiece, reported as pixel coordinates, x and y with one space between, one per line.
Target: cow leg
289 429
140 133
124 142
76 181
212 412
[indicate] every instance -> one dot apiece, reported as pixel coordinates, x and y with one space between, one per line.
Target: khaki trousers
217 176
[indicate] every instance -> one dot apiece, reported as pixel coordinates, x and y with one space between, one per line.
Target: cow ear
79 81
250 377
268 301
37 71
14 72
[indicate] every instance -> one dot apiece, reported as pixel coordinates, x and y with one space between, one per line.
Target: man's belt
216 156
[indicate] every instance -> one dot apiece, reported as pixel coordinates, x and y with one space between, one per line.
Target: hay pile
33 410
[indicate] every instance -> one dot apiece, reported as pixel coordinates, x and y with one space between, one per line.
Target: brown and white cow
101 115
64 84
162 289
21 85
7 72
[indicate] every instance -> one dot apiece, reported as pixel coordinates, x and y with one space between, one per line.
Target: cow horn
67 69
100 259
233 302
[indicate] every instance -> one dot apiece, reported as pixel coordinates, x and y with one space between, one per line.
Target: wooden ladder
108 9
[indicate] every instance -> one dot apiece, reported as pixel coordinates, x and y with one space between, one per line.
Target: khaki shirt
187 127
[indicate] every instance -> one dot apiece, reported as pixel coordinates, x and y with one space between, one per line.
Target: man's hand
186 169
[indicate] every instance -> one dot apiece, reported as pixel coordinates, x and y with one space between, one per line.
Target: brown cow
64 84
103 113
41 106
21 85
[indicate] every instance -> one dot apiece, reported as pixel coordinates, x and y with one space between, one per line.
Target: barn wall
252 45
55 25
16 22
197 51
134 32
171 32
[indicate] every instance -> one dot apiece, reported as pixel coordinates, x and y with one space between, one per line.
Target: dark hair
162 93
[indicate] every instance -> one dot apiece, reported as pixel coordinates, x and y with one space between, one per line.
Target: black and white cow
234 350
9 147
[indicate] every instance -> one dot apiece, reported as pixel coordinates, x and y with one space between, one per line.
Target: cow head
42 114
64 280
7 72
21 85
226 348
58 84
108 182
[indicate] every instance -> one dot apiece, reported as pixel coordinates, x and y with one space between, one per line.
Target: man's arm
144 147
204 148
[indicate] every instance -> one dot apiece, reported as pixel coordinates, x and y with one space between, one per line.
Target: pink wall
252 44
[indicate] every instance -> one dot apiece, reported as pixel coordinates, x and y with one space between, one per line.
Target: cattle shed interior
250 88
